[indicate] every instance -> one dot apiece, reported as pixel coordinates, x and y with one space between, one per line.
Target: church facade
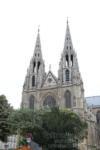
43 89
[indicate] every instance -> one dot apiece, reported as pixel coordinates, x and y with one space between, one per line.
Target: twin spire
68 61
68 46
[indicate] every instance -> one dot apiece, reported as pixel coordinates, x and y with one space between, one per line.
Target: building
11 143
45 89
94 105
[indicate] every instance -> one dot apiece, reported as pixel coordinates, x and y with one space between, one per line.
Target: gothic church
43 89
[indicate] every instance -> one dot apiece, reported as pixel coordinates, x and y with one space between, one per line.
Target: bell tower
68 66
36 70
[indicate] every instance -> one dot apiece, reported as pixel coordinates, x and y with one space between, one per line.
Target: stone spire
36 70
68 66
37 49
68 41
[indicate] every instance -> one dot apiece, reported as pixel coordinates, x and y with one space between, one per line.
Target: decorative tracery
49 101
67 97
31 102
33 81
67 75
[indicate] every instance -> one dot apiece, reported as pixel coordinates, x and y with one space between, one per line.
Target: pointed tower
69 77
36 71
34 78
68 67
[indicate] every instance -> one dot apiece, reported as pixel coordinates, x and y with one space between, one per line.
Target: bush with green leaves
46 125
5 111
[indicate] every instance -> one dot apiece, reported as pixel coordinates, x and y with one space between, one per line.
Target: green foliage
49 126
95 148
23 142
5 110
64 121
22 121
59 127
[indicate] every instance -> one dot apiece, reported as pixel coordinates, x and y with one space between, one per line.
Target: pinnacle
68 41
38 29
37 50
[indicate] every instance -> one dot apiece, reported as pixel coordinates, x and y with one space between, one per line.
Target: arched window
67 75
67 61
33 81
49 101
67 97
34 66
98 117
31 102
38 65
71 60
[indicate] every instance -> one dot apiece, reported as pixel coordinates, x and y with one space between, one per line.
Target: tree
5 110
61 129
22 121
50 128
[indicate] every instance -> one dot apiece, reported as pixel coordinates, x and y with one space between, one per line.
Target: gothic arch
50 101
33 81
67 60
31 102
34 66
67 75
71 58
67 97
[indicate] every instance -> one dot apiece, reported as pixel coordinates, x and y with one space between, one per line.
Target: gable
50 80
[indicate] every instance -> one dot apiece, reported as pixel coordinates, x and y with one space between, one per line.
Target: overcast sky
19 20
